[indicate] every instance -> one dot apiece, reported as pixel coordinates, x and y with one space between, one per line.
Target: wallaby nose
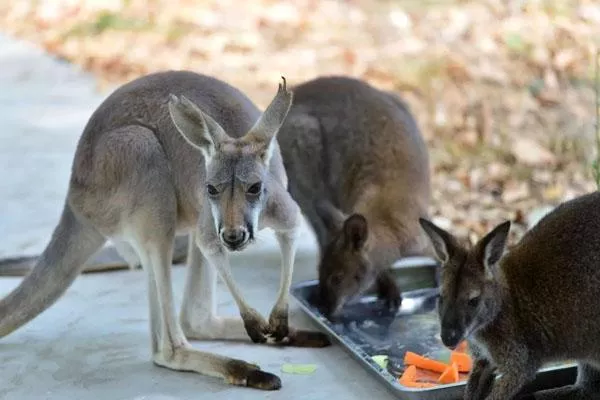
234 238
450 337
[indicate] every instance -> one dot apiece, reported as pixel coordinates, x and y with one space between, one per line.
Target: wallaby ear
332 217
265 129
442 241
356 231
492 246
197 127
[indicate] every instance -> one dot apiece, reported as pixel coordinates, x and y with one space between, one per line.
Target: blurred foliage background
502 89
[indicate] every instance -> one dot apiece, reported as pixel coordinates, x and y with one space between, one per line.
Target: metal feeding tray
367 329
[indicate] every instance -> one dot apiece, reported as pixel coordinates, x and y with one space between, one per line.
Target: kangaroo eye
212 190
255 189
474 302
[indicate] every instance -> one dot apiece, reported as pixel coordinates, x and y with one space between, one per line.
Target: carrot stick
409 377
409 374
450 375
411 358
419 385
462 360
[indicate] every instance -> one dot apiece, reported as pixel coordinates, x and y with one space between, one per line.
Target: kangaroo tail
17 266
72 243
107 259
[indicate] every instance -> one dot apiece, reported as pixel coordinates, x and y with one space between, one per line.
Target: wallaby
358 168
177 152
522 308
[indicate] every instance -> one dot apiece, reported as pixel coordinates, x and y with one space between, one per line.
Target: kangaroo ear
264 131
197 127
492 246
356 231
332 217
443 242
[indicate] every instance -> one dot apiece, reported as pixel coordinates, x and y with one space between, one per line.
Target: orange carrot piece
462 347
409 377
411 358
409 374
462 360
450 375
424 375
419 385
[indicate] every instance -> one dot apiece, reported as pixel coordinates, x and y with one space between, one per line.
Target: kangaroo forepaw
278 323
257 328
302 338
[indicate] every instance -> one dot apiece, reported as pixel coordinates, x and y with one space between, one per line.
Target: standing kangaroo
534 304
168 153
358 168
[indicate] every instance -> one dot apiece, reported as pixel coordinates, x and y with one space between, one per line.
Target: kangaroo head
345 269
469 284
236 168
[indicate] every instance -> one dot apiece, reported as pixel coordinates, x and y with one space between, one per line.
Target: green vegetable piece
381 360
299 369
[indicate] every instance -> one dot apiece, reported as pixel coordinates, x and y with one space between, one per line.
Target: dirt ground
502 89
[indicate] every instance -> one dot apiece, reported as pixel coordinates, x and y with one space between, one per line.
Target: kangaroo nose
234 237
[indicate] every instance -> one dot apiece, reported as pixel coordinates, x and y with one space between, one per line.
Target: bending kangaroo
521 309
358 168
177 152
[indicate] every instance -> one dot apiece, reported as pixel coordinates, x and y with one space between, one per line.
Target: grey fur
137 180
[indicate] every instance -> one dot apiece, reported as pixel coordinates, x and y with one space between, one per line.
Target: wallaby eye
335 280
212 191
255 189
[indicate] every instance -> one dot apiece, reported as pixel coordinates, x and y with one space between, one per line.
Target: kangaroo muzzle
234 238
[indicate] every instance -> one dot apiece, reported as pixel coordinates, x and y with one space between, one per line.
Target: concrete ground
94 342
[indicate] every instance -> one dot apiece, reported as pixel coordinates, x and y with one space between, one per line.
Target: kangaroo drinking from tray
359 169
177 152
537 303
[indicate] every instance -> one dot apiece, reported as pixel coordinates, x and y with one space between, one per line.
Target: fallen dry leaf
529 152
501 93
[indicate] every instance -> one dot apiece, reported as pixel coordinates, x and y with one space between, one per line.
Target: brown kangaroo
535 304
358 168
177 153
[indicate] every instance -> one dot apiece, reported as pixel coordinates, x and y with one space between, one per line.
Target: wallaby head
236 168
345 268
470 280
